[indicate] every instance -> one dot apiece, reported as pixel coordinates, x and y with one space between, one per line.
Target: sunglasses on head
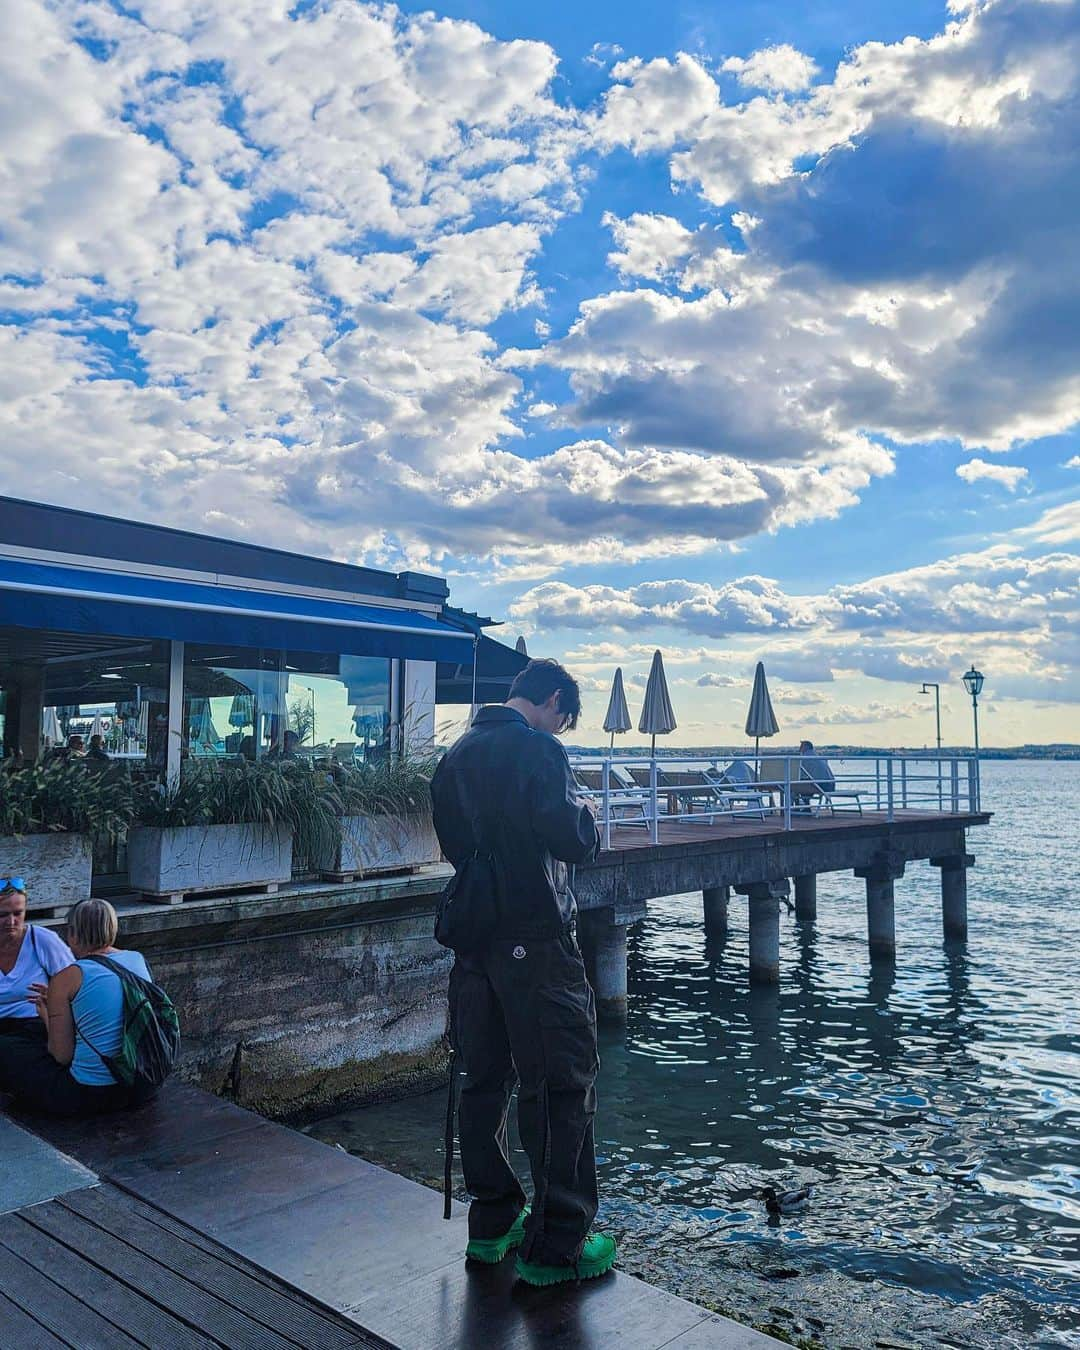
12 884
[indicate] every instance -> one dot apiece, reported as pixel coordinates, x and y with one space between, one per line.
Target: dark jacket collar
493 713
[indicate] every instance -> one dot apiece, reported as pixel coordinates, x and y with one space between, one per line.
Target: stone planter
168 864
381 844
57 868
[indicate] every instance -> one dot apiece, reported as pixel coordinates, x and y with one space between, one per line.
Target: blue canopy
80 600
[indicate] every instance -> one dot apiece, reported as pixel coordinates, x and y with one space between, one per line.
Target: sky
745 332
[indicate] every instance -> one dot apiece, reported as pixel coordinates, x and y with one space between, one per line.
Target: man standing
520 1005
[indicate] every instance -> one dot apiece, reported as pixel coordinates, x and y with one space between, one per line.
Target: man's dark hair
540 679
805 745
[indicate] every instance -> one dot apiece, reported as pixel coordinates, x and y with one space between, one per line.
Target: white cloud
779 69
1008 475
1024 613
1073 463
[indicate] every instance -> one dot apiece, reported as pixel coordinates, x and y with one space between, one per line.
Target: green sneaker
492 1250
597 1257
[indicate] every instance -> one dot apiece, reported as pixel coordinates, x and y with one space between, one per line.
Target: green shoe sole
491 1251
589 1267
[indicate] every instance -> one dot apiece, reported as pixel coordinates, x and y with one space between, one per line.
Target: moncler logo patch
519 953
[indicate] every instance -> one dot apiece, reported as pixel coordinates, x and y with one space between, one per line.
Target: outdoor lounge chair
627 807
807 795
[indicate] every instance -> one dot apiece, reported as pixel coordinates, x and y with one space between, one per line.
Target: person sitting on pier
508 816
83 1010
29 956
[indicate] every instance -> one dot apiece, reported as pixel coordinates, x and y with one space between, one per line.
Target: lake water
936 1106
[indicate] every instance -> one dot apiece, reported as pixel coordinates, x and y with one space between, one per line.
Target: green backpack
149 1038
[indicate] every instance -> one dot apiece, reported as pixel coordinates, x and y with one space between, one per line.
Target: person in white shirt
29 957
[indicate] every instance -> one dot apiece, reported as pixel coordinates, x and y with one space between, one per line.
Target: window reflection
295 705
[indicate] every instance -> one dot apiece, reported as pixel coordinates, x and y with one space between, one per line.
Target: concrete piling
880 906
806 897
604 943
764 904
953 869
715 902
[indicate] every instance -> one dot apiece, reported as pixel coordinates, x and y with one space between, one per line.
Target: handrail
896 783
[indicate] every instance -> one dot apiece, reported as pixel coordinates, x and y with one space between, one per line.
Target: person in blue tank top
83 1011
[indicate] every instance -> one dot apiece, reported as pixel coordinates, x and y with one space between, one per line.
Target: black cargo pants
524 1011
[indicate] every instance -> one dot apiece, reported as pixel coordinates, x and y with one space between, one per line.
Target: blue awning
79 600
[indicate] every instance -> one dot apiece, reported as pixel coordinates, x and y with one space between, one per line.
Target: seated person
289 748
29 957
97 751
84 1013
815 769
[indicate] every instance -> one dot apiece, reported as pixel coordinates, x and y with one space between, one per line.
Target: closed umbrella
617 717
520 648
760 720
203 732
97 727
657 714
242 712
50 727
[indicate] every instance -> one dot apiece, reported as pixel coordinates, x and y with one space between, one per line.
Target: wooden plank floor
244 1196
680 832
98 1269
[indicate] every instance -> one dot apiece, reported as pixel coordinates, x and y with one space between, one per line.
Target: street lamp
927 686
973 683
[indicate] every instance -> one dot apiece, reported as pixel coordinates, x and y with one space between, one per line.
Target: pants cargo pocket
567 1020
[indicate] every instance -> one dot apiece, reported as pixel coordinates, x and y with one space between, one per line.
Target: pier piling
953 869
806 897
715 900
880 905
764 903
604 941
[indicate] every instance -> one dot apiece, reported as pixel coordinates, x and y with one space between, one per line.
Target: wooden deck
97 1269
729 830
234 1231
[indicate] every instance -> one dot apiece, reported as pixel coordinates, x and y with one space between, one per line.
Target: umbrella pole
472 710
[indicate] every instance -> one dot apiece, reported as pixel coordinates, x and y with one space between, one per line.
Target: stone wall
308 1000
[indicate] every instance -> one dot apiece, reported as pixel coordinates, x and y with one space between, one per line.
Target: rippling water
935 1106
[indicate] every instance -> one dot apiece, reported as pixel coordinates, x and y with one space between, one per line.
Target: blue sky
748 332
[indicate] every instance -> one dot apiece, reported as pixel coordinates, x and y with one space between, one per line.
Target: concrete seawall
312 999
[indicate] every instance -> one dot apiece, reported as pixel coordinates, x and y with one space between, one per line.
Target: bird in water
785 1202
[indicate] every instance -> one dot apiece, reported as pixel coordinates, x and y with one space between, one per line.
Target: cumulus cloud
255 261
904 626
940 312
779 69
1008 475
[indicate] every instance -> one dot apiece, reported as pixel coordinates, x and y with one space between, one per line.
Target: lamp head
973 682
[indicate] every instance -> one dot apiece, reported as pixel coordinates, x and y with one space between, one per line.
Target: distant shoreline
1039 752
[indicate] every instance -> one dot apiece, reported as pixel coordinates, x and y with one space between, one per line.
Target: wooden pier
193 1223
765 861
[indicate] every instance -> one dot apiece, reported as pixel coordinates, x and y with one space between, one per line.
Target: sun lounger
627 807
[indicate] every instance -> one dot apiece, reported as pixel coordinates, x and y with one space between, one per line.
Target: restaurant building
176 646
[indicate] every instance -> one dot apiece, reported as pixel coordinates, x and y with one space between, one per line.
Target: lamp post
927 686
973 683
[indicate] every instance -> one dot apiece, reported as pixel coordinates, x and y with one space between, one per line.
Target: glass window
338 706
113 694
268 704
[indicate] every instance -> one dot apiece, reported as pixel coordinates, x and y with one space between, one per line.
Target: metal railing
641 792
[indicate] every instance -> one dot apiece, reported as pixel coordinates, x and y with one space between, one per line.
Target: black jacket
507 789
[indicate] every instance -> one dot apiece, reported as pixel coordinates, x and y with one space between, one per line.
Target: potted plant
385 817
50 815
228 826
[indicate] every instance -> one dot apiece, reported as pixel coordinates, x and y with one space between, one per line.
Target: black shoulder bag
469 907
